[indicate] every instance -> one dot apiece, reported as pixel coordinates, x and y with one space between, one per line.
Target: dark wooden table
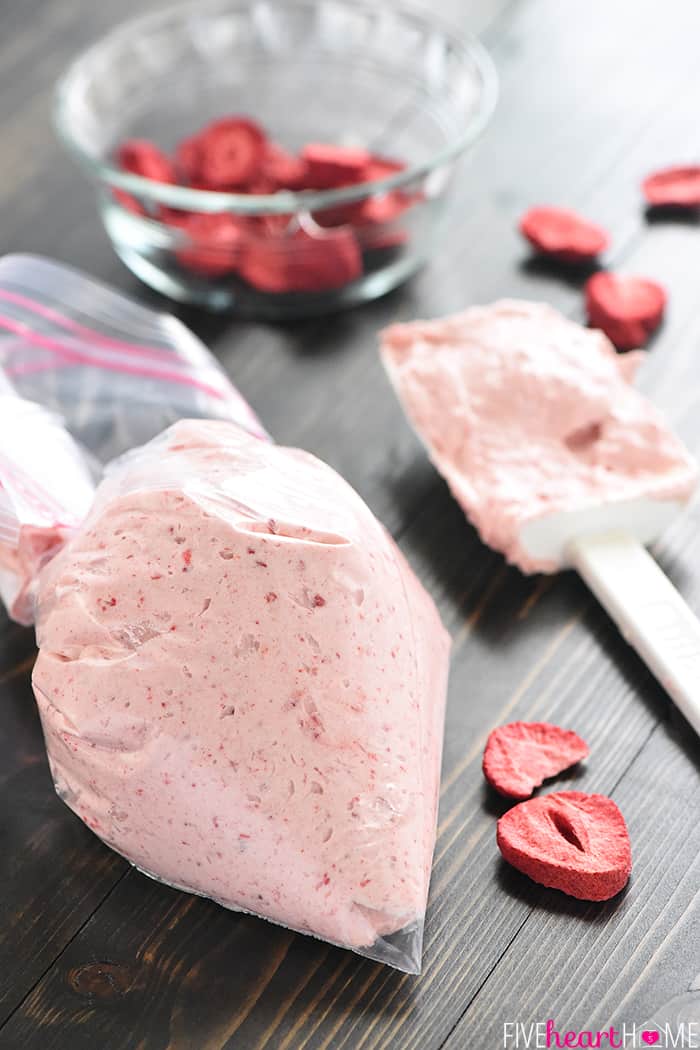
92 954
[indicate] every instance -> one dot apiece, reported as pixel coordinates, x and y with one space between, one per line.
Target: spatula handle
649 611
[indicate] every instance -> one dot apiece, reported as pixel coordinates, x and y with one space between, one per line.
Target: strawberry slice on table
143 158
677 187
627 309
570 841
520 756
563 234
218 242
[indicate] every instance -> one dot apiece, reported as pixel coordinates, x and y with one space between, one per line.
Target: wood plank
16 652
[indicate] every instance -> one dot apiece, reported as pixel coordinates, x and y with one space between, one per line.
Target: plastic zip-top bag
75 354
117 372
45 493
241 681
242 688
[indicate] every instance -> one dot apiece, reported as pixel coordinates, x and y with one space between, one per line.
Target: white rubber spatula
606 544
522 409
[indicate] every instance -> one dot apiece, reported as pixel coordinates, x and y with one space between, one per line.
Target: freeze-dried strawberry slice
570 841
301 261
339 215
627 309
374 210
379 167
563 234
188 160
372 221
272 225
173 216
376 227
674 187
230 152
283 169
329 167
378 207
217 243
521 755
143 158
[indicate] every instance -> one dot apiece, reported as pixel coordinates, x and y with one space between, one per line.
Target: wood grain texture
113 960
595 961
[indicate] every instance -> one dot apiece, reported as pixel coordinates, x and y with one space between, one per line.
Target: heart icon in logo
650 1038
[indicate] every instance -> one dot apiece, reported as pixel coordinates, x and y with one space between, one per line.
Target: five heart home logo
545 1035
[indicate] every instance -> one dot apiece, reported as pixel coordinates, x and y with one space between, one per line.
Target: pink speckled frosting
526 414
242 685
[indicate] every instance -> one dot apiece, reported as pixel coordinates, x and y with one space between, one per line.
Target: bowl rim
282 201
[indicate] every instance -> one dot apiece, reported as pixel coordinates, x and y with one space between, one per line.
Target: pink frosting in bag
526 414
242 685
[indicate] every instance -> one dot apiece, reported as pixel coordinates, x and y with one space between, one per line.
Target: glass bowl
344 72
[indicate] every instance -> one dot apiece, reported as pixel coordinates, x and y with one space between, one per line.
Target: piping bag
558 461
240 680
